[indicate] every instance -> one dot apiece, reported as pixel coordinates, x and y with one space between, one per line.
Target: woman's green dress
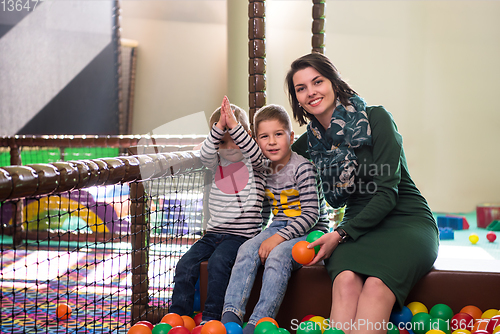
393 234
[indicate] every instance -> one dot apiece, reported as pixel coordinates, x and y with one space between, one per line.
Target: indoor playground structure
92 227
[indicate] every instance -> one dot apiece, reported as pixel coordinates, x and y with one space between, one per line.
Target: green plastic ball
309 327
421 323
441 311
313 236
265 327
161 328
440 324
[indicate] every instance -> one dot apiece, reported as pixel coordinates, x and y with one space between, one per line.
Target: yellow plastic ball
488 314
417 307
461 331
496 330
473 238
435 331
322 322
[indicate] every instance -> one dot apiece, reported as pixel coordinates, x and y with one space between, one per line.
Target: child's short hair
272 112
240 114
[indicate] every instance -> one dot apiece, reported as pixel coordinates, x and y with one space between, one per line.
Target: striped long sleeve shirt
237 190
295 196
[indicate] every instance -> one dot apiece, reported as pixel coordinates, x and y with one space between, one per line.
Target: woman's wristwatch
343 235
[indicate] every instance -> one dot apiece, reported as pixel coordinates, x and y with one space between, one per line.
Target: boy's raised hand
231 121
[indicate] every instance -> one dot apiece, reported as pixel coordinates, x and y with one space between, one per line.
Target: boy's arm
210 148
308 202
248 147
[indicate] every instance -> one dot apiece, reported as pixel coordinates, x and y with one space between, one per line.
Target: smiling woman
343 137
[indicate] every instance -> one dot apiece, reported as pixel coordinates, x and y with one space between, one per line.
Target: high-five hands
230 119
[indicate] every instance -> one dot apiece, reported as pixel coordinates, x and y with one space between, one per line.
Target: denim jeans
277 270
220 250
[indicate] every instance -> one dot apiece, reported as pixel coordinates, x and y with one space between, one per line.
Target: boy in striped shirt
292 189
235 205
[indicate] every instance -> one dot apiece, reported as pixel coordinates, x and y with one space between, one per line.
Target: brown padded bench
309 292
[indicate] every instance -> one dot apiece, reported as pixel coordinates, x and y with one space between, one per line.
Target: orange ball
173 319
139 329
63 311
213 327
481 324
267 319
188 322
474 311
301 253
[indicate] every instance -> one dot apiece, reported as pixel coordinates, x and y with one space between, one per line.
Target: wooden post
318 26
257 56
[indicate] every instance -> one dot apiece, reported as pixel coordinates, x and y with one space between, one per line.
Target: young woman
388 238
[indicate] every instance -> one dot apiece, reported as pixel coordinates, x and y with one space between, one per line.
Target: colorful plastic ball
488 314
491 236
147 323
161 328
417 307
173 319
197 329
283 331
307 317
461 320
308 327
461 331
474 311
301 253
188 322
213 327
313 236
435 331
493 323
321 321
392 328
440 325
179 330
480 324
441 311
197 318
268 319
63 311
139 329
402 317
473 238
265 327
496 330
420 323
233 328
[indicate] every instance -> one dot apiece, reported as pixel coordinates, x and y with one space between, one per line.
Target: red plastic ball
147 323
179 330
491 236
197 329
493 323
462 320
301 253
197 318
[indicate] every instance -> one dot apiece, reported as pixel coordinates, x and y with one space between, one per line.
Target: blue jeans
277 270
220 250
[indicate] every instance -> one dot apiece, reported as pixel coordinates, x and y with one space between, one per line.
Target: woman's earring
300 105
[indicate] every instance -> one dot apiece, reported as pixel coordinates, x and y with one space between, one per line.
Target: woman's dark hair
324 66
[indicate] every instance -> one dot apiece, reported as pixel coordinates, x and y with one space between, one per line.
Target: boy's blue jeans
277 270
220 250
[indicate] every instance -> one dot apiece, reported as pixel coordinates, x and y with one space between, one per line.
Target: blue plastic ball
233 328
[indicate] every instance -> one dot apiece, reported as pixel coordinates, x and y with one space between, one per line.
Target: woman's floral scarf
332 150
